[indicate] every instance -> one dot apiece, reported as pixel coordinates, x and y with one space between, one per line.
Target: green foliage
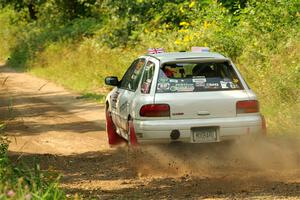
8 32
73 9
3 150
65 10
35 38
20 182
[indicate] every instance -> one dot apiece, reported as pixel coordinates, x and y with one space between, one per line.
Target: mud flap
132 135
113 137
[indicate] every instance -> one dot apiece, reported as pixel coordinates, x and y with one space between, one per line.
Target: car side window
132 77
126 78
147 77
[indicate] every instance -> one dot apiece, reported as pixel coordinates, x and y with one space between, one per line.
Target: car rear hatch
198 89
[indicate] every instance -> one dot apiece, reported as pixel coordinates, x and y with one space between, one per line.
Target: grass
276 81
92 96
20 182
80 67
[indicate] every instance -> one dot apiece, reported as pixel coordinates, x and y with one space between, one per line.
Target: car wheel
132 141
113 137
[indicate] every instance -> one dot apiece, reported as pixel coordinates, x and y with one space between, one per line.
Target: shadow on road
30 114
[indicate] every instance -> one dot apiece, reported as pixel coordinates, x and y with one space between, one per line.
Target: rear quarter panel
141 99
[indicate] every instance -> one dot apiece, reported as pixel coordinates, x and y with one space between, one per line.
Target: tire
113 137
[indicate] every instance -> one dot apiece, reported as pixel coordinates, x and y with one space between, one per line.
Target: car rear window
197 77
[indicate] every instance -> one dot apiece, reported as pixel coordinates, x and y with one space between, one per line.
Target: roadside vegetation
18 181
77 43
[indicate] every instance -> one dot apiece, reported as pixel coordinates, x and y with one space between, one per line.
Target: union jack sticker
155 50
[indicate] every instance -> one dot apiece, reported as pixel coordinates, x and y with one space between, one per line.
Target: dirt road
51 126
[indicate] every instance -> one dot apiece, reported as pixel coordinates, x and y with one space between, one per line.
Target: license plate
204 135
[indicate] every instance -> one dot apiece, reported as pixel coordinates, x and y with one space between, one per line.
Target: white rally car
194 97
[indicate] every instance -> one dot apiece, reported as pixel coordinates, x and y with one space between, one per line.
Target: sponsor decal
228 84
123 106
163 86
185 87
199 79
163 80
114 98
200 84
233 85
173 88
224 84
212 85
173 81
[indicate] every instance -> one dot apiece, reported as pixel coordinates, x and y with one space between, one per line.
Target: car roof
176 56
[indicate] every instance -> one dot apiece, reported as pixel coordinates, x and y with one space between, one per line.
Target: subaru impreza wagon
194 97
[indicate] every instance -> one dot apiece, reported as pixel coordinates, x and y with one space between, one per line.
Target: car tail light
155 110
249 106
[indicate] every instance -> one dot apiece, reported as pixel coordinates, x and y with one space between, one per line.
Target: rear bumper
158 131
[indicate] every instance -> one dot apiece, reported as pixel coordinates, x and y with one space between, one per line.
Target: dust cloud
272 158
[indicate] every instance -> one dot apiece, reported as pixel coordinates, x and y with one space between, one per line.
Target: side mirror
112 80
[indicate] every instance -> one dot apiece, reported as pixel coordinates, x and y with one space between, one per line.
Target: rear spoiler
195 60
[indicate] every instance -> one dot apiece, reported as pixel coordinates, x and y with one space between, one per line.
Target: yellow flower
177 42
181 9
184 24
192 4
187 38
183 31
205 25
